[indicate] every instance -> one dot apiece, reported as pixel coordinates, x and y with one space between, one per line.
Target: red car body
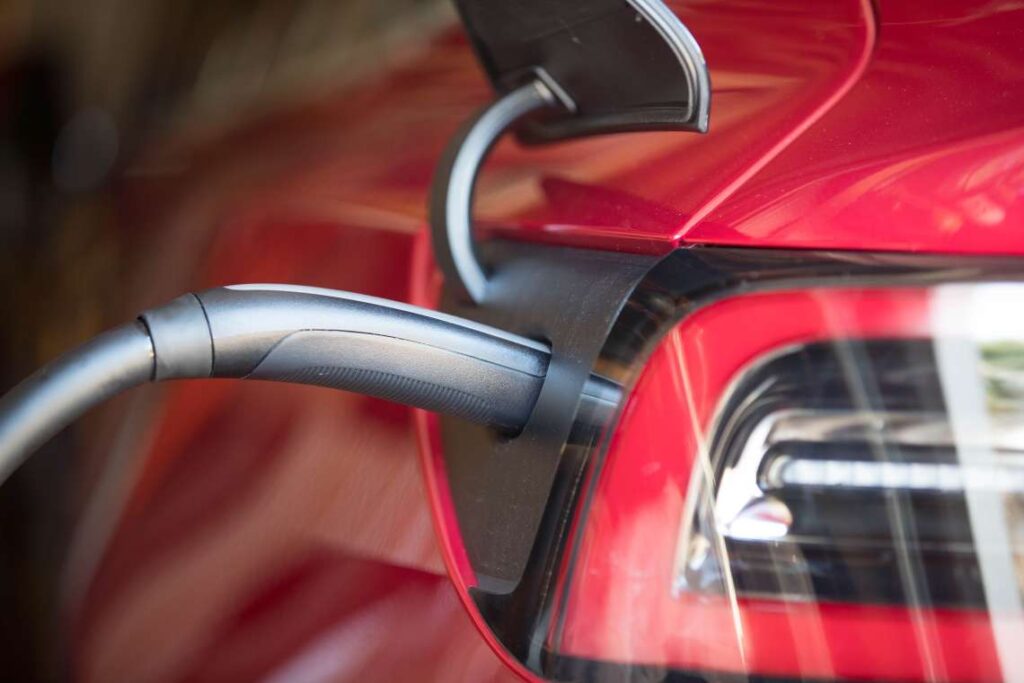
286 532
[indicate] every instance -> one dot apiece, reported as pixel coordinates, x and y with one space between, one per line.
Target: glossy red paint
925 153
794 62
909 139
620 606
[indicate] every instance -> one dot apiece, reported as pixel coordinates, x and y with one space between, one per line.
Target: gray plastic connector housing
323 337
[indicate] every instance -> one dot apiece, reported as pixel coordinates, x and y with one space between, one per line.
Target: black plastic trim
628 65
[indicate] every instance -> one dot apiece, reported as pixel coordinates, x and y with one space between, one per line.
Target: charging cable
302 335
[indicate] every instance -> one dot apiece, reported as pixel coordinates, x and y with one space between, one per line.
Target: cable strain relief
182 341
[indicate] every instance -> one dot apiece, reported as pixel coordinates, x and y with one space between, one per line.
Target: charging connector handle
284 333
306 335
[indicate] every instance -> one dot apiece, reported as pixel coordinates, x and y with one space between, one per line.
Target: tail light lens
824 483
839 457
806 479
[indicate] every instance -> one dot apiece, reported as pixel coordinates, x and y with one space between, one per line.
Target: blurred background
86 89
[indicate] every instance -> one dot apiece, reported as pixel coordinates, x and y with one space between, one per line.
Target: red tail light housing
815 471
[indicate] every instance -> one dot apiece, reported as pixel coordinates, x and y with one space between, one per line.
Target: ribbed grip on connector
406 371
397 388
376 347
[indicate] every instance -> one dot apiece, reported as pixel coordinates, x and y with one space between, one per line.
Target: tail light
816 471
835 469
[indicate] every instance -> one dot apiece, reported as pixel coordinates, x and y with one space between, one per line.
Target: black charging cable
302 335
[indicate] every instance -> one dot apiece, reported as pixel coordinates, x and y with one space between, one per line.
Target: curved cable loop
451 206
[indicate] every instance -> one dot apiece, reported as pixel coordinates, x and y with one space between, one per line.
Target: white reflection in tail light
915 476
979 349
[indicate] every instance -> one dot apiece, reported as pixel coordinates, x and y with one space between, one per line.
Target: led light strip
1007 477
